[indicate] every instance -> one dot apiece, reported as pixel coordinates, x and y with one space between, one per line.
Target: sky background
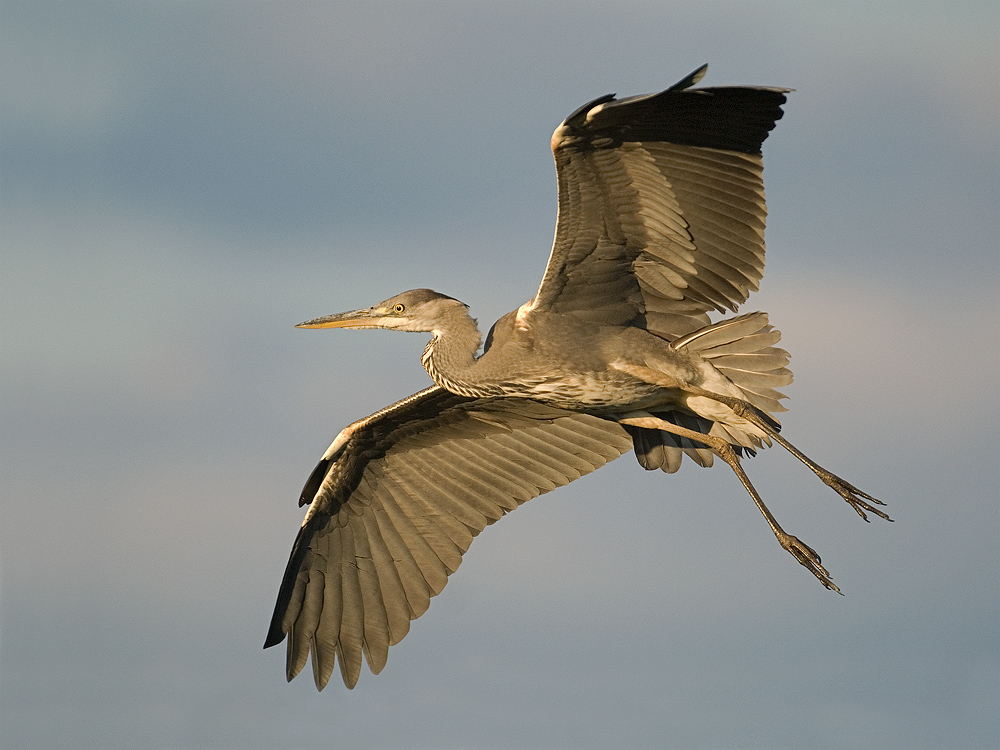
183 182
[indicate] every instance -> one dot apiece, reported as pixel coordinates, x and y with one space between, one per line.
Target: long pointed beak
364 318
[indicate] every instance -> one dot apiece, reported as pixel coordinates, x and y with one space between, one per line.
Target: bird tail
742 349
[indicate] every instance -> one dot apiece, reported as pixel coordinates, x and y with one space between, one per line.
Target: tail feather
742 349
763 360
729 346
755 379
728 332
750 344
656 449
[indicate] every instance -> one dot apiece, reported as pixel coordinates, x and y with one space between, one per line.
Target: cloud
183 183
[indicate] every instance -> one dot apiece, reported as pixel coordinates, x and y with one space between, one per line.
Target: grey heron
660 222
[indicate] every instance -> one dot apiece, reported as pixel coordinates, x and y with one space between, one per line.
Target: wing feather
661 207
350 642
401 496
384 568
449 513
376 620
434 526
403 511
415 590
415 586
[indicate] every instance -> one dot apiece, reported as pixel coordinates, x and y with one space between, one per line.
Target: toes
860 501
809 559
830 585
861 506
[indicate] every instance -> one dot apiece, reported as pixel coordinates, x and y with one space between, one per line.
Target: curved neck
450 357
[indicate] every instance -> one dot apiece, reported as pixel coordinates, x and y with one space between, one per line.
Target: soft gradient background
183 182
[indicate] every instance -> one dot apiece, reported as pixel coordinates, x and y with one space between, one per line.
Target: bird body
608 369
661 221
593 374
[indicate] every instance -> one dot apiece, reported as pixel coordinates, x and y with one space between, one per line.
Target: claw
854 496
809 559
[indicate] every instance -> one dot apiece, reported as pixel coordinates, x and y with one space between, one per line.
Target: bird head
415 310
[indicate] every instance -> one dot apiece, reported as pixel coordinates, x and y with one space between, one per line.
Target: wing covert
661 206
396 502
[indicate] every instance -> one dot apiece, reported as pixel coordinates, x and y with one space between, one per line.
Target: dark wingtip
275 635
314 482
579 115
690 80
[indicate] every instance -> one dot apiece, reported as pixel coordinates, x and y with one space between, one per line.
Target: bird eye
398 307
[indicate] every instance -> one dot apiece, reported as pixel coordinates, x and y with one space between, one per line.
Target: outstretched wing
397 500
661 206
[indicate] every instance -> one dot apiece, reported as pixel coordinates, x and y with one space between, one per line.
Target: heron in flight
661 221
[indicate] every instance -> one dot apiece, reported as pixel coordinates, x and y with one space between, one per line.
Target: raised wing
395 503
661 206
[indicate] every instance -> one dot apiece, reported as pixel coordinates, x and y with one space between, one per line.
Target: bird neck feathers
450 357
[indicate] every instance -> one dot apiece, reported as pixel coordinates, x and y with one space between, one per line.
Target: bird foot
808 558
860 501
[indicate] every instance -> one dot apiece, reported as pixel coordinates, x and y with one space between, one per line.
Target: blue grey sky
183 182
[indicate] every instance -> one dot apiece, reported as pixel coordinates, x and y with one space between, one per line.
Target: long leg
801 551
860 501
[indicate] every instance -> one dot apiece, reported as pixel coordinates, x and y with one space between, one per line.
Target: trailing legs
801 551
860 501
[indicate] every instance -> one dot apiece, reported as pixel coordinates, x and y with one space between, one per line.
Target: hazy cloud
182 183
